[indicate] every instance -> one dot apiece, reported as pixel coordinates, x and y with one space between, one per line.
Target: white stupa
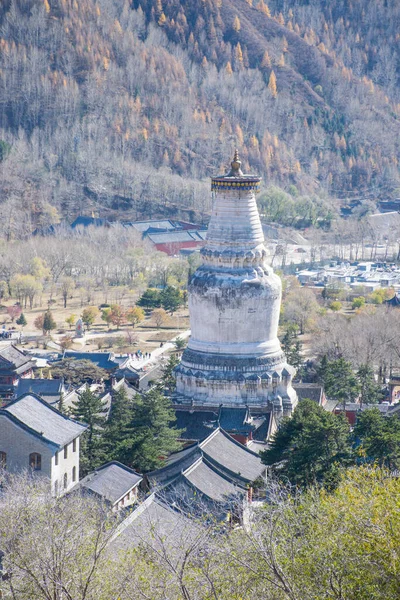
234 356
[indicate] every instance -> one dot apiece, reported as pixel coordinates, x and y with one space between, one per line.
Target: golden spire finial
235 164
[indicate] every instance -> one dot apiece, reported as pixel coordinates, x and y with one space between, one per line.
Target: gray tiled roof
111 481
14 356
170 237
154 523
210 482
41 387
312 391
232 455
43 420
229 457
145 225
197 424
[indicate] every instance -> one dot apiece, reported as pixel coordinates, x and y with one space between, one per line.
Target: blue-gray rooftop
43 420
111 481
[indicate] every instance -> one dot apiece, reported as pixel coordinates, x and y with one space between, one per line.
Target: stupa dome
234 355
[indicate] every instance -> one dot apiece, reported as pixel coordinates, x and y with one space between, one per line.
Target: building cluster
166 235
233 384
359 276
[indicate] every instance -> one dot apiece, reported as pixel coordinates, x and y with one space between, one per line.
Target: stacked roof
219 469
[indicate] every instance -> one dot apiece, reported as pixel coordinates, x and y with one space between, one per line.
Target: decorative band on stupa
235 178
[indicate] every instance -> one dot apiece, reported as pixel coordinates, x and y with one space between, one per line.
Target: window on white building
56 458
65 481
74 474
35 461
65 451
74 446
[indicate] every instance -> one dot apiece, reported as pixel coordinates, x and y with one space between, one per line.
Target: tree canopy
310 446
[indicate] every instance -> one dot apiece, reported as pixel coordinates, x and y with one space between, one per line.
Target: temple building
234 357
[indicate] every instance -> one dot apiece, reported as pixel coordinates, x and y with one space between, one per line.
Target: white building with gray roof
36 437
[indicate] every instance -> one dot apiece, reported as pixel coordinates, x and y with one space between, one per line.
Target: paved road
158 352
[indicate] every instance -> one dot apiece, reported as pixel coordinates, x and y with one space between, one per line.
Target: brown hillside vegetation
116 106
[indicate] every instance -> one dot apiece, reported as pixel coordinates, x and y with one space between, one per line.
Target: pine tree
91 410
48 322
370 391
151 435
21 320
117 428
168 380
310 446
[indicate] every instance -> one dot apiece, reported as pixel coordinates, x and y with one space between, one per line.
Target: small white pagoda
234 356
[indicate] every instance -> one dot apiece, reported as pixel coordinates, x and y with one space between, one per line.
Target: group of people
140 356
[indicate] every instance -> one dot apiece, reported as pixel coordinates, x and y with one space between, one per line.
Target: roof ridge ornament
236 171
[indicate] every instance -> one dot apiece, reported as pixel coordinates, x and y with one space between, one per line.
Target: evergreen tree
378 438
339 380
150 299
91 410
168 380
310 446
370 391
291 346
21 320
48 322
151 435
171 298
118 426
61 403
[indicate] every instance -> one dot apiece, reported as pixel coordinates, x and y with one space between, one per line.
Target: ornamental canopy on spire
235 179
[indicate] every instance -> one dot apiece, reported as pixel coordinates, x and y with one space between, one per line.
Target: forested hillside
113 105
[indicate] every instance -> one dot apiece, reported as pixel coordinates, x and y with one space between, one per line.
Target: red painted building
172 242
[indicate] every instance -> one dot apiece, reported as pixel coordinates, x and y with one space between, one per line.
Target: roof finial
235 164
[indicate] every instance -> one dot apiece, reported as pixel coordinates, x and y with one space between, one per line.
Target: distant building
49 390
389 205
170 236
14 365
84 222
35 436
172 242
115 483
240 423
104 360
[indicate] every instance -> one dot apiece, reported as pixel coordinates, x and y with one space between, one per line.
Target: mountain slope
116 106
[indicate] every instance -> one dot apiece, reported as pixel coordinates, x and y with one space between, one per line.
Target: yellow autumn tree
266 61
263 7
272 85
239 53
228 68
236 24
